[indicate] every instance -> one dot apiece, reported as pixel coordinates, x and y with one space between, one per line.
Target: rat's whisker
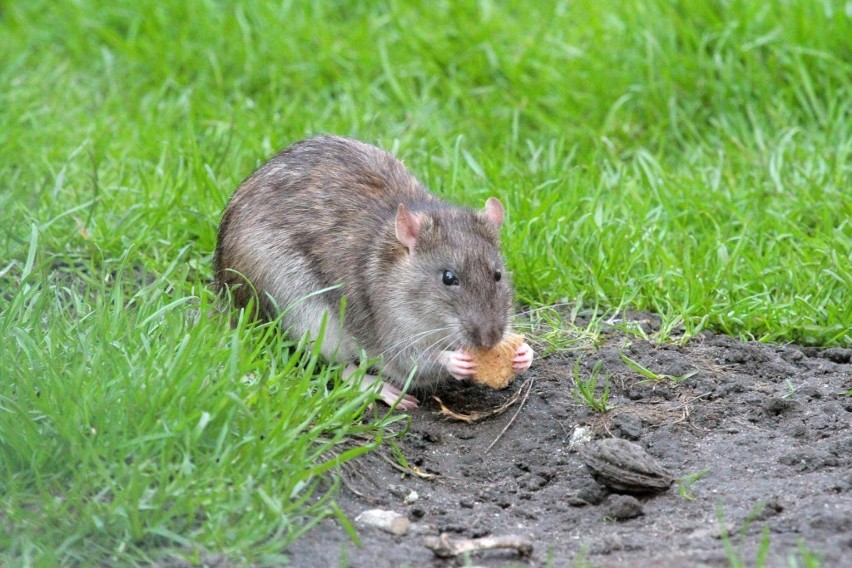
426 353
411 340
410 344
446 341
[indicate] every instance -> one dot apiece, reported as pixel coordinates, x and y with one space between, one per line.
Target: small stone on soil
388 521
411 498
623 507
579 437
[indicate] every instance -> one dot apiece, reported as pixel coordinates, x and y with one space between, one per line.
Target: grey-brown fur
322 213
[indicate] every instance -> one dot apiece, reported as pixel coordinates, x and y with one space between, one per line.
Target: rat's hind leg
388 393
293 290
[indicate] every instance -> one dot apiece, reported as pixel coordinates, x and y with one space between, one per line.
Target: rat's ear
494 210
407 227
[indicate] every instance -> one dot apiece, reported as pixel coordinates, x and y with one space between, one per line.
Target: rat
331 220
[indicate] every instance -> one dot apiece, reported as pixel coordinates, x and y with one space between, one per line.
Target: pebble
388 521
623 507
581 436
411 498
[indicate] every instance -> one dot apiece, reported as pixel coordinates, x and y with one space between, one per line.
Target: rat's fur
325 211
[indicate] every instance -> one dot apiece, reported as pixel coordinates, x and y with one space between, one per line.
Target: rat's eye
497 275
449 278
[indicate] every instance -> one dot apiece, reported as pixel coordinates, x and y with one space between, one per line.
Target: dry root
443 547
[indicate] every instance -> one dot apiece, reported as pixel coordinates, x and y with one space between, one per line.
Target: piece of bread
494 366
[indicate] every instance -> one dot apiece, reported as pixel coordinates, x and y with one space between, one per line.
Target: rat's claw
523 358
390 394
459 364
407 402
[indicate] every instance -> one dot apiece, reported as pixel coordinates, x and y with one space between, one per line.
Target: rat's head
453 281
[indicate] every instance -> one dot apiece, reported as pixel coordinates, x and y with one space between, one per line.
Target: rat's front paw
523 358
459 364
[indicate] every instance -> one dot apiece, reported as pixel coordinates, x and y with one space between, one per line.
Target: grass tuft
585 388
140 424
651 376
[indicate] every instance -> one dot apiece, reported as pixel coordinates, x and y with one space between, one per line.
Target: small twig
529 382
442 547
469 418
409 470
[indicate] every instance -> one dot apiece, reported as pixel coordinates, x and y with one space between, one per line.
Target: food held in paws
494 366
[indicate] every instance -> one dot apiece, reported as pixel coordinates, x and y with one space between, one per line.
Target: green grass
686 482
652 377
688 158
136 423
584 388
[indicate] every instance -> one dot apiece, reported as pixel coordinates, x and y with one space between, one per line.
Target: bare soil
770 424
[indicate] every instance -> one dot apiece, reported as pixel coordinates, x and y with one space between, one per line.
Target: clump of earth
757 437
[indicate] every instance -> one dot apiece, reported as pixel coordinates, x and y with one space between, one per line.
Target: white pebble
580 436
411 498
388 521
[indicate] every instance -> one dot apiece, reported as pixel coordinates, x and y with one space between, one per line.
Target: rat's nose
486 336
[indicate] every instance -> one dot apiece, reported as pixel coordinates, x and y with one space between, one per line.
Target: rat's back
303 222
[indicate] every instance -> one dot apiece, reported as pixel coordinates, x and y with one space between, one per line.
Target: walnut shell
494 366
625 466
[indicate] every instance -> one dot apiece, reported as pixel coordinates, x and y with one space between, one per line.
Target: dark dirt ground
770 423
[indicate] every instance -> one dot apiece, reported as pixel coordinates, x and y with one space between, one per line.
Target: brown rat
424 281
